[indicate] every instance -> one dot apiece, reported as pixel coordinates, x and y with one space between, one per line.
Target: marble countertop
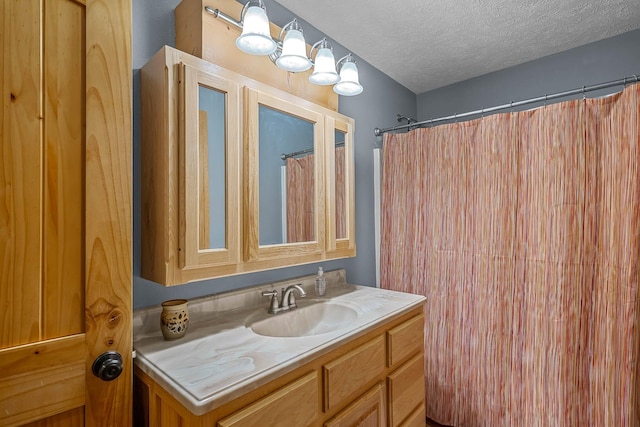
221 358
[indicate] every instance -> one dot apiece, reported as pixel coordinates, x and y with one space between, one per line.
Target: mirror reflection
212 168
340 190
286 178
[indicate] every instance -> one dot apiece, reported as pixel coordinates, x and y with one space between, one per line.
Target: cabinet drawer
416 419
368 410
405 339
406 390
296 404
351 372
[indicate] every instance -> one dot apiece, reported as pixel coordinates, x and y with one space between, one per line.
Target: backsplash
146 320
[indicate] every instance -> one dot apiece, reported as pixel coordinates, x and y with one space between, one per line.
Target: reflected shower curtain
340 194
300 199
523 232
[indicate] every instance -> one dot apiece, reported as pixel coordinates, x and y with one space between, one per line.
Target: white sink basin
315 319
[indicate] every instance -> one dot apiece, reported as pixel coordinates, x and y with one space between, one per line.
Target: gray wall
377 106
598 62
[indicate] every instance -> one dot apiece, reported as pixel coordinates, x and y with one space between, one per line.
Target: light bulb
349 84
324 69
256 35
294 53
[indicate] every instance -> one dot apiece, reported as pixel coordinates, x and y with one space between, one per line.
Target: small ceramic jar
174 319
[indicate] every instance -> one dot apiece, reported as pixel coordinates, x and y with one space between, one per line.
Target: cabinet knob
108 366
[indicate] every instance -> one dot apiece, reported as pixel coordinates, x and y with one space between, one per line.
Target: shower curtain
523 232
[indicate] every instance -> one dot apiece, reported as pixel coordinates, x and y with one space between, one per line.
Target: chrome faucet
288 301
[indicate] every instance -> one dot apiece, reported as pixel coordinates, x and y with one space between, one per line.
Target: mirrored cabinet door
209 169
340 184
284 171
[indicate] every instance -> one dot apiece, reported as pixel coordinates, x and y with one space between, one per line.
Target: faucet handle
273 306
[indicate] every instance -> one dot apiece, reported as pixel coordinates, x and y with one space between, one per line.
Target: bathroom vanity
244 171
352 357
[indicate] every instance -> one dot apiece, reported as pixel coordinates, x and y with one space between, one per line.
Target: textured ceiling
426 44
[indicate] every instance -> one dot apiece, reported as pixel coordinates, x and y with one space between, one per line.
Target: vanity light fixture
349 84
293 56
324 67
290 53
256 35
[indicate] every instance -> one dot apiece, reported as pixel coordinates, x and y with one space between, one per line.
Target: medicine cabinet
238 176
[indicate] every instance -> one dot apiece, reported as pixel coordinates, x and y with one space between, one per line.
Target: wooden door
65 210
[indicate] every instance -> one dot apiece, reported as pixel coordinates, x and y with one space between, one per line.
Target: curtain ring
584 95
546 96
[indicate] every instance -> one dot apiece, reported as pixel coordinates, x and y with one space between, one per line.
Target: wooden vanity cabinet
359 383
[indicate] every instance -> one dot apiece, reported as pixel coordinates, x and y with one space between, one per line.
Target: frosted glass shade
324 69
256 36
349 84
294 53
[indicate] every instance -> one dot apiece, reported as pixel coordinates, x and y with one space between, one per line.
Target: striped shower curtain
523 232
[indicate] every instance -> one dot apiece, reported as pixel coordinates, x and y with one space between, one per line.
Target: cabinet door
367 411
416 419
340 220
346 377
406 391
405 340
296 404
209 172
284 172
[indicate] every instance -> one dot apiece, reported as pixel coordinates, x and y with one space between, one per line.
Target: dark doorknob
107 366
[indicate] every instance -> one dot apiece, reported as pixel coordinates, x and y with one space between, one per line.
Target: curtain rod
284 156
582 90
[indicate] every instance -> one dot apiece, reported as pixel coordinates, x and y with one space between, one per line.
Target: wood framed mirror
209 169
340 183
284 172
